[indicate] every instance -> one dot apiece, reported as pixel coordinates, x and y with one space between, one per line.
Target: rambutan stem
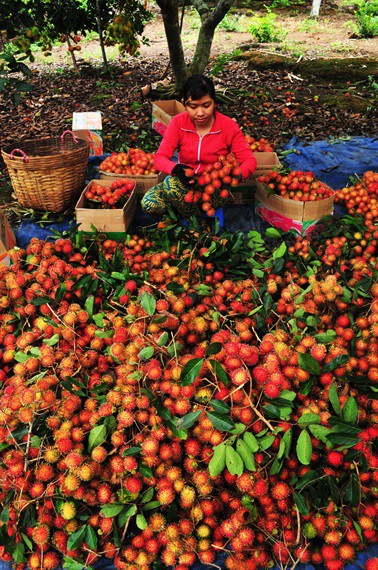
28 446
298 537
259 414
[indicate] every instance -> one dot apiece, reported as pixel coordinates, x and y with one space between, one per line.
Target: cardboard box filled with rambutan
296 201
111 220
135 164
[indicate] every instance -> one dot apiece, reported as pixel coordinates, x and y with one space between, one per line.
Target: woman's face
201 111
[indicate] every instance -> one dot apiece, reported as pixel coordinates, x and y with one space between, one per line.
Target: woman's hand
184 173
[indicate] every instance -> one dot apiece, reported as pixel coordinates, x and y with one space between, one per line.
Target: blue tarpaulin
333 161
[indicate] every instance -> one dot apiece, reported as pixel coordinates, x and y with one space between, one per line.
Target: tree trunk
209 21
210 18
169 11
315 8
100 34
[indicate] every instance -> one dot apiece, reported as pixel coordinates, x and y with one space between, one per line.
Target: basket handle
25 157
75 139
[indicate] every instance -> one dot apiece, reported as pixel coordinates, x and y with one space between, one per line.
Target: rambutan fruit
271 390
68 510
85 471
44 472
260 374
333 537
150 446
50 560
165 496
245 482
133 485
319 352
280 491
40 534
99 454
64 445
34 561
335 458
334 564
239 377
329 552
371 563
309 531
104 493
346 552
192 447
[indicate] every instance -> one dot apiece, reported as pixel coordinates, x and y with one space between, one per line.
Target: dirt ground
330 36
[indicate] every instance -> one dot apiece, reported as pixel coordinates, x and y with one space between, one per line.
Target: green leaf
304 448
260 274
301 503
280 251
350 410
272 233
77 538
352 491
145 471
89 304
326 338
97 435
148 303
320 432
220 421
308 363
141 521
151 505
214 348
185 422
219 371
163 338
70 564
307 479
307 419
148 496
126 514
276 466
250 440
336 363
21 357
246 454
146 353
18 552
343 440
112 510
234 462
218 461
266 441
131 451
287 439
334 399
287 395
54 339
99 319
190 371
220 406
91 537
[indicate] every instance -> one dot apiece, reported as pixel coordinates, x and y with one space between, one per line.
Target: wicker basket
50 173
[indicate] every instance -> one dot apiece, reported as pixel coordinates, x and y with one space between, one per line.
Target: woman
201 134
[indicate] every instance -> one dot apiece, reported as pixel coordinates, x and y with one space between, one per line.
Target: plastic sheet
334 161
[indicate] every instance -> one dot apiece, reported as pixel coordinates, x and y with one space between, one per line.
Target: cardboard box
245 191
266 162
142 183
113 222
7 239
302 217
88 126
162 113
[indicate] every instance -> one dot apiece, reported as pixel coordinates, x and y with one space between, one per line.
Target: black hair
196 87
